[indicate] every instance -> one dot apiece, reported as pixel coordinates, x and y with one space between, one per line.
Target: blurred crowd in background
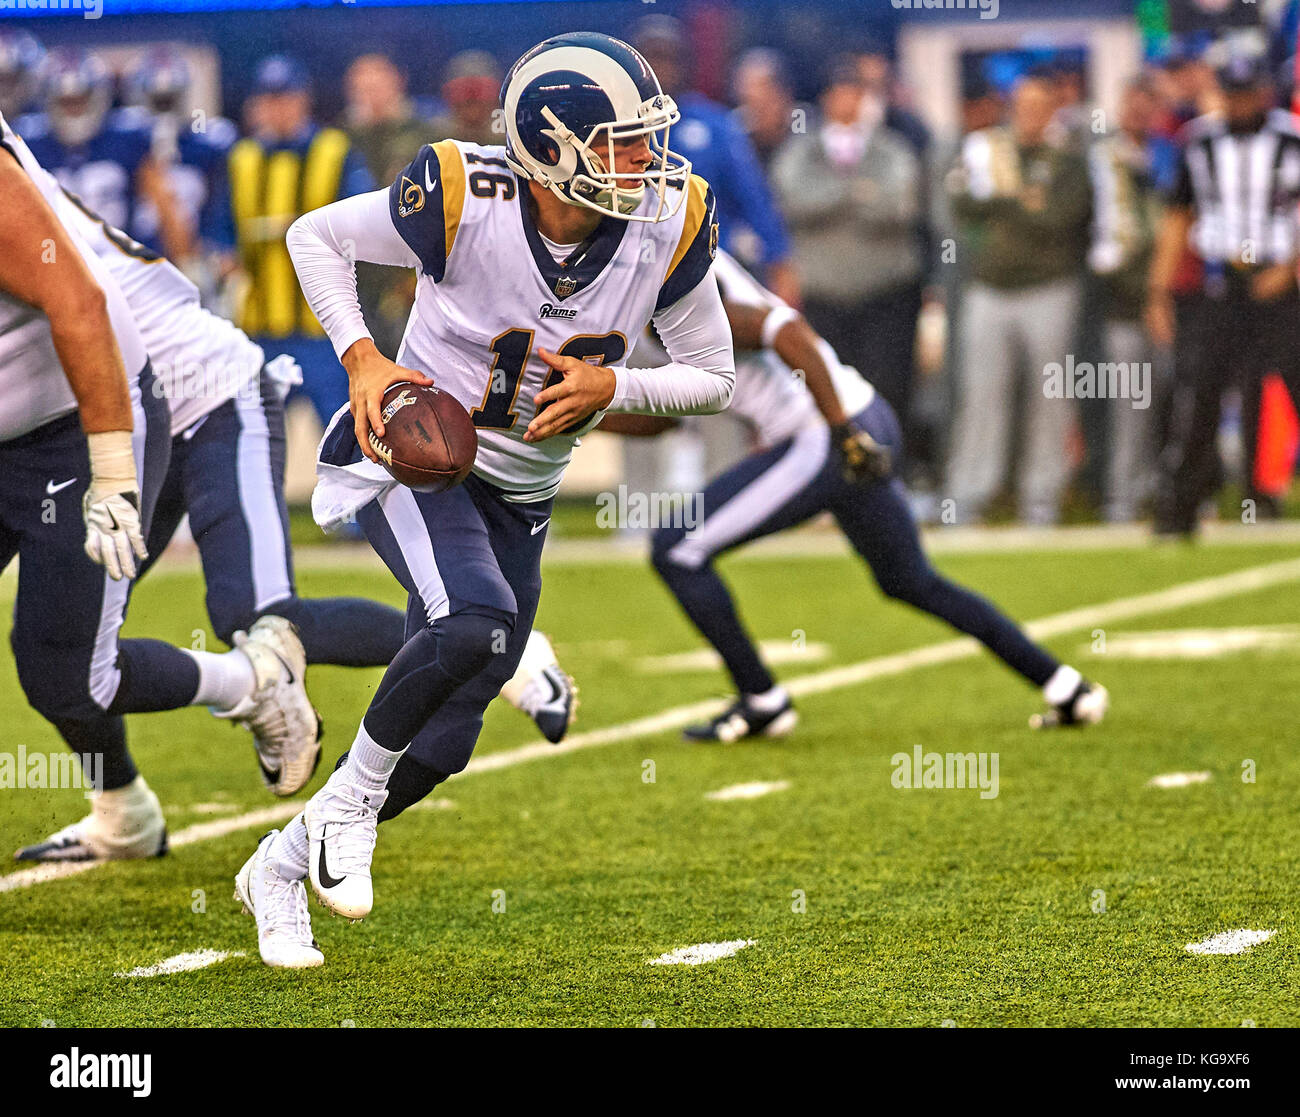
951 270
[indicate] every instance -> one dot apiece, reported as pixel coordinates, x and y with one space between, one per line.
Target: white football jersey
199 359
490 294
770 396
33 386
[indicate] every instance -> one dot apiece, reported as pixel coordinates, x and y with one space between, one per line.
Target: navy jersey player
95 151
189 151
827 442
83 451
538 262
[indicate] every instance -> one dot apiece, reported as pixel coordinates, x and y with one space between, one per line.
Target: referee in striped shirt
1236 204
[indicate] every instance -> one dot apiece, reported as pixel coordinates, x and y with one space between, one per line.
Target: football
429 442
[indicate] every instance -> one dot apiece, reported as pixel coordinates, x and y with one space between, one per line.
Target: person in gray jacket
852 195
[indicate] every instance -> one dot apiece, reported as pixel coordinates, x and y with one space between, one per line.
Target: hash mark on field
836 678
1179 779
746 790
181 963
700 953
1230 942
1199 643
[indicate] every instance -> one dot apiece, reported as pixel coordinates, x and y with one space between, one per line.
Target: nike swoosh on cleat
288 668
322 869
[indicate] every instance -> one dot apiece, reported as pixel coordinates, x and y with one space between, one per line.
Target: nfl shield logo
565 286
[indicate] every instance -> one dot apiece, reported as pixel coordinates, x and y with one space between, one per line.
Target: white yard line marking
700 953
181 963
1230 942
775 652
835 678
754 790
199 832
1179 779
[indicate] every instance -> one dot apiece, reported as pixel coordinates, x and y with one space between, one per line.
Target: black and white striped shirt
1244 187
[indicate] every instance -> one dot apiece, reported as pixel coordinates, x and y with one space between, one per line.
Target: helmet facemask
587 174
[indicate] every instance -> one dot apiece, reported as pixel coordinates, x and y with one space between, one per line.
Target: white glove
111 506
113 535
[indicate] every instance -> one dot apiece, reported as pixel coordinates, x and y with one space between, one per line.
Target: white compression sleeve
325 245
702 375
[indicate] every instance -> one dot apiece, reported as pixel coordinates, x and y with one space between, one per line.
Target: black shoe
1086 706
741 720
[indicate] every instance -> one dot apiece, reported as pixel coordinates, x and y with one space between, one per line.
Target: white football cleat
542 689
341 819
284 937
123 824
285 727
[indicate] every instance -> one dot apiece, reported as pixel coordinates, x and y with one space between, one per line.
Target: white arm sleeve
326 243
702 375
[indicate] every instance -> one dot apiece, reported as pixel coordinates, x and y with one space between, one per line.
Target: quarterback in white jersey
84 432
538 262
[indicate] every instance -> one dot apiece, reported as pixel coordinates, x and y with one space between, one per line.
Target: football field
538 887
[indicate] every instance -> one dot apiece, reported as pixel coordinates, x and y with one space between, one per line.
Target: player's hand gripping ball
429 442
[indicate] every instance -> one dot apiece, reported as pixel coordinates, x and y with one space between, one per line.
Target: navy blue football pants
470 562
790 483
74 669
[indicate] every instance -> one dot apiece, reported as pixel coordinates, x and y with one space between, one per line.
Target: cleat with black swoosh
284 938
542 689
341 821
286 728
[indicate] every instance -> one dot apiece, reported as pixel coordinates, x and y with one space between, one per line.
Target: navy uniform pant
470 562
227 473
68 613
786 485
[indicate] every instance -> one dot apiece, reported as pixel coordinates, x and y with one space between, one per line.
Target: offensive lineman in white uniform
538 262
227 468
78 434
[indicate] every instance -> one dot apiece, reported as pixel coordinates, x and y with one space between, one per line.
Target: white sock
769 701
1064 682
225 679
369 765
132 795
288 852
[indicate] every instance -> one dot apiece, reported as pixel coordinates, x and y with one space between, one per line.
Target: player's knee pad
56 687
469 642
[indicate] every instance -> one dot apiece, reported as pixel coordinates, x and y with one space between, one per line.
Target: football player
227 468
537 261
827 442
83 451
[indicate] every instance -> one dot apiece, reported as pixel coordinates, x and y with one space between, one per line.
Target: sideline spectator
765 104
1126 213
852 192
313 167
381 122
472 93
720 152
1023 207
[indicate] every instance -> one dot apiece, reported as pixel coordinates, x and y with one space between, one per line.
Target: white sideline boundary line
1180 596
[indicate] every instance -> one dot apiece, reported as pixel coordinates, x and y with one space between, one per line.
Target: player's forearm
325 246
83 338
795 342
702 375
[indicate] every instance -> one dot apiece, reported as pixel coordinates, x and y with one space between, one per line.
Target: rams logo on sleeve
411 198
